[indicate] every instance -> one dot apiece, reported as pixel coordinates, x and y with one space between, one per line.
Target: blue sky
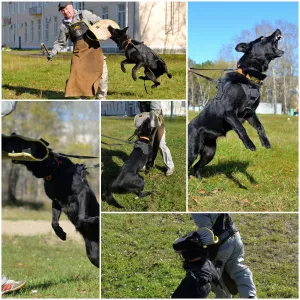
213 24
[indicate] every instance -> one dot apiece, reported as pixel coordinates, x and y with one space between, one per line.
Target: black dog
139 54
129 180
200 271
66 185
236 101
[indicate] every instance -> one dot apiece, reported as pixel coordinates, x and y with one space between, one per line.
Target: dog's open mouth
276 39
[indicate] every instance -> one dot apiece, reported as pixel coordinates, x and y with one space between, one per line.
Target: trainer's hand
50 56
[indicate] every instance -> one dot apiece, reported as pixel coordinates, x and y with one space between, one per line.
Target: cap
62 5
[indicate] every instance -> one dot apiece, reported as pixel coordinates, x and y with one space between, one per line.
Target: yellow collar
256 80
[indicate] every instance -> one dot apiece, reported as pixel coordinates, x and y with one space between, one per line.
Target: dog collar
58 162
255 79
145 138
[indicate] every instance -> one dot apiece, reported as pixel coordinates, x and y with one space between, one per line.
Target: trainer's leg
166 153
103 87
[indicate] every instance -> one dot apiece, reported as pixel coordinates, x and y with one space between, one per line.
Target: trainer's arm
92 18
62 40
205 223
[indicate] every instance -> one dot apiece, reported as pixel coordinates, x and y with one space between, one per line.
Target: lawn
52 268
238 179
138 260
169 193
28 75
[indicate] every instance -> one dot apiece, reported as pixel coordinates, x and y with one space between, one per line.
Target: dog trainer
87 59
228 253
160 136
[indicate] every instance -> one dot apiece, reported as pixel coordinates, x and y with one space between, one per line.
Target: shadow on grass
115 93
229 169
26 204
48 284
110 169
19 90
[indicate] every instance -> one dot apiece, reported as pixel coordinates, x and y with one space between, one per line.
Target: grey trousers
231 254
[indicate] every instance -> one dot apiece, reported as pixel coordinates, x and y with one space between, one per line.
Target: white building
131 108
161 25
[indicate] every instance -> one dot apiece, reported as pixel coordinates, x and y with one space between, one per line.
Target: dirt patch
31 228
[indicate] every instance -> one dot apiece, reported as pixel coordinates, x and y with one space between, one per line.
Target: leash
77 156
213 69
129 141
203 76
93 167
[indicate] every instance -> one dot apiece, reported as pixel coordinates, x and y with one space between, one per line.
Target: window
121 15
19 7
14 33
25 32
55 26
32 31
104 14
13 8
79 5
24 8
46 30
39 30
8 9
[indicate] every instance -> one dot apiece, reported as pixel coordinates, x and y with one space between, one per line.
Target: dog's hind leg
151 76
164 66
92 251
56 211
206 156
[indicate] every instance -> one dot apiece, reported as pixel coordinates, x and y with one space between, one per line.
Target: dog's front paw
61 234
169 75
251 146
123 69
266 144
134 77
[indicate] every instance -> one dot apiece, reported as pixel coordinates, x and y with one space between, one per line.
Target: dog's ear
125 30
242 47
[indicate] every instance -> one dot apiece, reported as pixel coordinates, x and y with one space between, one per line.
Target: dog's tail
109 198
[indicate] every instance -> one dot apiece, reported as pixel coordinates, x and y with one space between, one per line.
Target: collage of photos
149 150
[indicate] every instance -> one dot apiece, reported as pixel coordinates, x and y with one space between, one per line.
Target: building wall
131 108
147 21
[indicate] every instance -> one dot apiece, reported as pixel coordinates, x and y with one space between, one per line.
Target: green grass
27 75
138 260
264 180
169 192
52 268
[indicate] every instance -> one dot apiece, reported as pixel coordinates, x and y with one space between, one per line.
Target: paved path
30 228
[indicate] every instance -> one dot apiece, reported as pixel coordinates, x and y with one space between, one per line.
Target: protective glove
50 56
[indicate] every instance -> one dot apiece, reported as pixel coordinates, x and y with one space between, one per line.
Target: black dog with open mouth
66 185
139 54
129 180
236 101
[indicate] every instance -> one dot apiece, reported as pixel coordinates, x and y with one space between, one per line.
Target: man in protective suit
88 64
159 139
227 253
